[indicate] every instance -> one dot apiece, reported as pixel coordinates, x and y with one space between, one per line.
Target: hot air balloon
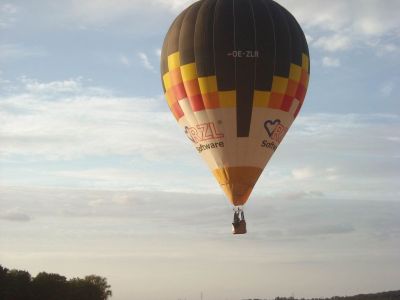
235 74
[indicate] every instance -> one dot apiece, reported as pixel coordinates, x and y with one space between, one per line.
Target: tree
90 288
49 286
3 281
17 285
101 284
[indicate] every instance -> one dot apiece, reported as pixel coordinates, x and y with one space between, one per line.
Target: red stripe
179 91
301 93
177 110
196 102
287 103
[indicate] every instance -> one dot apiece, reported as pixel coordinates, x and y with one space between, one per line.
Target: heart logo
270 126
187 132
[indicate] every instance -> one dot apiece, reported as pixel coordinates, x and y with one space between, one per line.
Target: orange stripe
176 76
211 100
237 182
275 100
291 88
304 78
192 87
171 98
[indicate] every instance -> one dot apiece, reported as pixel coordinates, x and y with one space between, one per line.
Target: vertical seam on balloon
207 157
213 31
234 34
298 28
214 59
254 79
256 133
198 82
184 18
255 49
290 33
164 52
255 44
163 57
235 67
211 113
273 29
168 37
215 71
267 6
184 13
305 50
304 46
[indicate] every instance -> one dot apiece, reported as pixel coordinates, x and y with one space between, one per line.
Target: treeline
392 295
20 285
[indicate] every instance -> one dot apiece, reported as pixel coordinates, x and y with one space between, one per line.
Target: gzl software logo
276 131
204 132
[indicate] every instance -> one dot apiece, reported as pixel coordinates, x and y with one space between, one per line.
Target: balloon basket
239 223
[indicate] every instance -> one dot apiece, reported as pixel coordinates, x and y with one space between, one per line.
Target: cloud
328 229
367 17
145 61
103 9
303 173
3 82
387 48
70 119
298 195
96 202
333 43
330 62
123 199
140 16
8 14
123 59
64 86
344 25
200 214
14 215
16 51
387 88
310 173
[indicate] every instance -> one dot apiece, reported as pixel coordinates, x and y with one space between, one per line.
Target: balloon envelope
235 74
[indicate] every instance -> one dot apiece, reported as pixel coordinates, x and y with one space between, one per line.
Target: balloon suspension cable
238 209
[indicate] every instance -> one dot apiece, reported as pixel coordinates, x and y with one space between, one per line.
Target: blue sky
96 176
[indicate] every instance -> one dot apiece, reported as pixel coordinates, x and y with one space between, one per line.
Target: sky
97 177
